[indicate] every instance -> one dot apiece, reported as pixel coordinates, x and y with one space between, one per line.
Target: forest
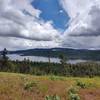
26 66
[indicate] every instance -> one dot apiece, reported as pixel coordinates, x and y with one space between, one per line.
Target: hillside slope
56 52
26 87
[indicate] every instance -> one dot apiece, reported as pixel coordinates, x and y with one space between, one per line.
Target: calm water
41 59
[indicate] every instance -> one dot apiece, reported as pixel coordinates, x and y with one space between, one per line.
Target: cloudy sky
28 24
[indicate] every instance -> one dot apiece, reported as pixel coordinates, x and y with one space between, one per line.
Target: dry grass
12 87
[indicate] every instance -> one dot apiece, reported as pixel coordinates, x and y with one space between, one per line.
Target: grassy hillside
26 87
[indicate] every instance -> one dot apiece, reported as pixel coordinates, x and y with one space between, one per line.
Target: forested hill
56 52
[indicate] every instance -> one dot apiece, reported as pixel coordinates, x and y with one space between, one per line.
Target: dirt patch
90 94
54 88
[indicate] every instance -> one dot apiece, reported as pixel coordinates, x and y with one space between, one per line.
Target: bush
72 90
73 94
55 97
29 85
81 84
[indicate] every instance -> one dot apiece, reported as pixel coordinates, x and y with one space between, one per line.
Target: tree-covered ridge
47 68
55 52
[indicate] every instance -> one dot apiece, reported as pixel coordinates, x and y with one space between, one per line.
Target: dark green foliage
4 53
81 84
26 66
68 52
63 59
4 60
89 69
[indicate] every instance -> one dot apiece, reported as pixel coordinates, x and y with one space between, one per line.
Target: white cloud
26 5
84 25
18 43
21 27
20 24
75 7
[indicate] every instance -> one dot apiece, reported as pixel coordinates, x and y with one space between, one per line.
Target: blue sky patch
52 11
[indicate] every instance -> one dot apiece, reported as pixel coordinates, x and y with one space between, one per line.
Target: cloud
19 19
84 25
22 28
12 43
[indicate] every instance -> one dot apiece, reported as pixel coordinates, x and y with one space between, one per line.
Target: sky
27 24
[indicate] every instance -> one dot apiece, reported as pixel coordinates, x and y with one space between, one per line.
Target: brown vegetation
12 87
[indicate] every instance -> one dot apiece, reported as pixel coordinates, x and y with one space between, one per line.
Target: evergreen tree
4 53
4 59
63 59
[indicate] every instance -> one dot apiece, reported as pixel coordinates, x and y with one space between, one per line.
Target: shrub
81 84
74 96
55 97
48 98
72 92
29 85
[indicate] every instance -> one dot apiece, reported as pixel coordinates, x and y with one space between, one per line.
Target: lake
41 59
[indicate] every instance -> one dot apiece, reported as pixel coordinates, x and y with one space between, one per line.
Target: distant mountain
55 52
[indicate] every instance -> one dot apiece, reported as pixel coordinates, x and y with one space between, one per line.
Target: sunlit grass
12 85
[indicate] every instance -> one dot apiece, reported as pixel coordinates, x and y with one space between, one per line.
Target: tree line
26 66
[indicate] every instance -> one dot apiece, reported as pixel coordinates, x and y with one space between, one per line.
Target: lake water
41 59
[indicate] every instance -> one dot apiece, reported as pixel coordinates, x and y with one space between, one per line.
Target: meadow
28 87
27 80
